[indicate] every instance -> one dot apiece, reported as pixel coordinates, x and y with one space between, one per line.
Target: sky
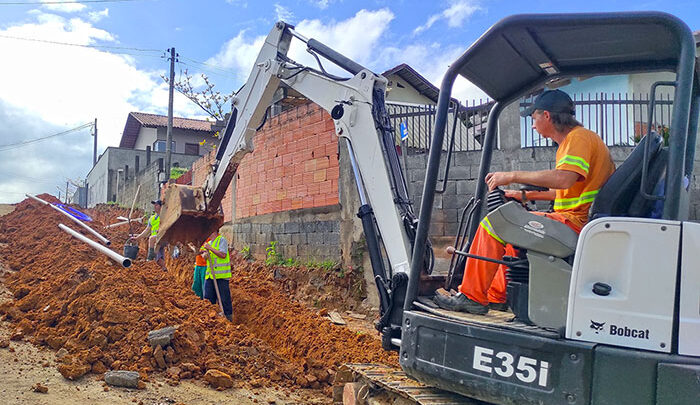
116 61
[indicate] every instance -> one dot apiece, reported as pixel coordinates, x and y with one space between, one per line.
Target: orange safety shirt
585 153
199 260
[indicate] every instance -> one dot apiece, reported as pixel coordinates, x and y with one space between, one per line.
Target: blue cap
554 101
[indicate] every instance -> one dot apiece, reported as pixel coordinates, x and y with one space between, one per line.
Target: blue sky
49 88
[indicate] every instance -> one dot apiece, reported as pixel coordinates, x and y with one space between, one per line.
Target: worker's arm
220 253
145 232
553 179
548 195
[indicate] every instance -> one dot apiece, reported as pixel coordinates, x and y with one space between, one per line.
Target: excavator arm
356 105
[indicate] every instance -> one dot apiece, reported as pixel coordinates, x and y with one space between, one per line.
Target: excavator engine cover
184 216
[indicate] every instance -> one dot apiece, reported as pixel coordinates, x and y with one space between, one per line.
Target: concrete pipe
124 261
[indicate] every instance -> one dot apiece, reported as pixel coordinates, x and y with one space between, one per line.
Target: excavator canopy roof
523 51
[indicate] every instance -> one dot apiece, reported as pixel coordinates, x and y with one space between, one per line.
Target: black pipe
366 214
335 57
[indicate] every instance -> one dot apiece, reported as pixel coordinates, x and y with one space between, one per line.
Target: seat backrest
617 194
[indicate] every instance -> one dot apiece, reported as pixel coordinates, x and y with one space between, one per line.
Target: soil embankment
96 314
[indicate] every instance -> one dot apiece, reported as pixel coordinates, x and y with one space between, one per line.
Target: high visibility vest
154 222
220 267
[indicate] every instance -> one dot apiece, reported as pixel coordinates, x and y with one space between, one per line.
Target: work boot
460 303
498 306
151 254
230 318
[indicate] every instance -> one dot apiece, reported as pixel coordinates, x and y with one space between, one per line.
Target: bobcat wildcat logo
597 326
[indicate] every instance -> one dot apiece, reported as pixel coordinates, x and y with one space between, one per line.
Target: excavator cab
612 312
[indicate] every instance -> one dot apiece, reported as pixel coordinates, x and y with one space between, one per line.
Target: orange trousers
484 281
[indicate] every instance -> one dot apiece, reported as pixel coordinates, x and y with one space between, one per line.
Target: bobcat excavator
610 316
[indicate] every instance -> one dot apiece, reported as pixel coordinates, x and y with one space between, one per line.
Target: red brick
312 189
297 203
320 176
319 151
322 163
326 187
297 179
310 165
308 178
333 173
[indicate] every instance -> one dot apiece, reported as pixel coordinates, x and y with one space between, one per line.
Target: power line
23 143
79 45
21 3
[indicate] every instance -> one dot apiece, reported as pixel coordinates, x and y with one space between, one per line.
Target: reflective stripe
489 229
574 161
154 222
569 203
221 268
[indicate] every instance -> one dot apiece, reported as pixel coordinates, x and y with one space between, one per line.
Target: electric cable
10 146
79 45
59 2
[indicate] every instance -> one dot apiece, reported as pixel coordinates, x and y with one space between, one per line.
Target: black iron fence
414 125
620 119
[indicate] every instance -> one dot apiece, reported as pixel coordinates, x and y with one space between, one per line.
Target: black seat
620 195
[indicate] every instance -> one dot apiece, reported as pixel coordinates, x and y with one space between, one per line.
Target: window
192 149
159 146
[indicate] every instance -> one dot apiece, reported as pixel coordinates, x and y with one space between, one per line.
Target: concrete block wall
309 234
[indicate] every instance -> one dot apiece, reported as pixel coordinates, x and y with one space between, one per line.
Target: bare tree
211 101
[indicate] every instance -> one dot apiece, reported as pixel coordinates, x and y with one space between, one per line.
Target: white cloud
322 4
240 52
48 88
455 14
282 13
96 16
65 7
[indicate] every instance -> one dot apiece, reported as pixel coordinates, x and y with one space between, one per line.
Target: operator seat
620 196
550 245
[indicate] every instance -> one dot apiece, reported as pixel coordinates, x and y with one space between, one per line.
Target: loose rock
38 387
122 378
161 337
218 379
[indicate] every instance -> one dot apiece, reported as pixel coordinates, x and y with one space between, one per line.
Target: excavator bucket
184 218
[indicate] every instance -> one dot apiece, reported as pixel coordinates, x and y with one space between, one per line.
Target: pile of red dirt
73 299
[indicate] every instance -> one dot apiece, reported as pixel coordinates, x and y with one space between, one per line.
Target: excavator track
358 383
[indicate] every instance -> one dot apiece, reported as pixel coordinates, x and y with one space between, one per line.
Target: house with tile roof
141 152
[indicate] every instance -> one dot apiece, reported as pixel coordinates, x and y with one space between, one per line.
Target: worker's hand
514 194
496 179
191 246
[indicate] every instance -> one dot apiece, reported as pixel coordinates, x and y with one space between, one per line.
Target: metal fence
414 125
620 119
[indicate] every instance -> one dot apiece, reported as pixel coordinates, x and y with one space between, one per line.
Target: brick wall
294 164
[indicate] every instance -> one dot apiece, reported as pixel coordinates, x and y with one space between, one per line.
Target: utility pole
169 139
66 193
94 145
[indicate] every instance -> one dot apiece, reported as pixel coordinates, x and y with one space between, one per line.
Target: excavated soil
97 314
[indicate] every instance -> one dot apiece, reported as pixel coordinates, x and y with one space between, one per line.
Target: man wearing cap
583 165
152 228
